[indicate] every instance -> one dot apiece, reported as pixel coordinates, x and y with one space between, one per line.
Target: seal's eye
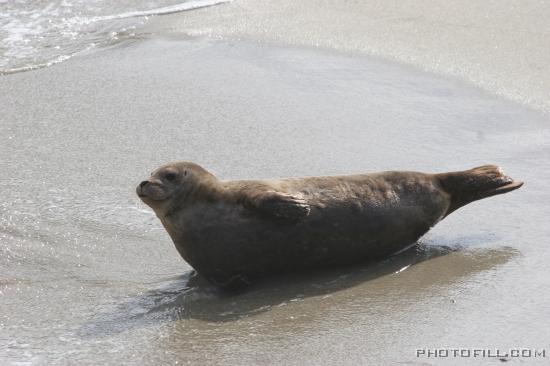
170 177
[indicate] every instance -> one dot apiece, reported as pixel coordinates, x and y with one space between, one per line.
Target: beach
499 46
277 89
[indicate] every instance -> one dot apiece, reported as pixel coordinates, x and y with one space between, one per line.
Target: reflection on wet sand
189 296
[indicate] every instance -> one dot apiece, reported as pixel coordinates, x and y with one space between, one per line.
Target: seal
233 232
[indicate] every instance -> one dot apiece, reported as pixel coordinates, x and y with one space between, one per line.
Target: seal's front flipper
280 205
285 206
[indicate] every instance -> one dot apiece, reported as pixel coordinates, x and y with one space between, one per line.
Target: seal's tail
474 184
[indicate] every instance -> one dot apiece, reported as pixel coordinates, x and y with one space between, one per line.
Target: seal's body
234 231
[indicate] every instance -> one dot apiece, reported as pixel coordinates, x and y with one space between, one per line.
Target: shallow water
88 275
41 33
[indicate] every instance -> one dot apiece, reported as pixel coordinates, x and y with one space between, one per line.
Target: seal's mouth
148 192
140 191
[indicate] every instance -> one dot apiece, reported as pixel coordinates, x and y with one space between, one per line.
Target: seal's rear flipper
474 184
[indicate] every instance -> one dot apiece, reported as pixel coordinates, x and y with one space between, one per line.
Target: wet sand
90 277
500 46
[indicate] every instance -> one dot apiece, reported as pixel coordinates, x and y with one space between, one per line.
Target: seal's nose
139 188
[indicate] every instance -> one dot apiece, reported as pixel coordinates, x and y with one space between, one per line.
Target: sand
500 46
88 275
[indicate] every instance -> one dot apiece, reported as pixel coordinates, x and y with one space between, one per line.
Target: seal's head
174 184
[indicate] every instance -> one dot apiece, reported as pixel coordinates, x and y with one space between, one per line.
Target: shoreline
511 63
268 44
498 48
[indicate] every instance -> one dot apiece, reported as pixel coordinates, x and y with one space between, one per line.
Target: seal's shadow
191 297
